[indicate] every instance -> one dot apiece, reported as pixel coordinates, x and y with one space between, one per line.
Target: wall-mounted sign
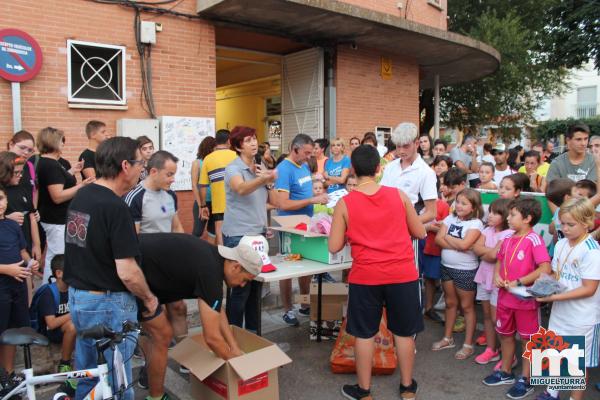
20 56
386 68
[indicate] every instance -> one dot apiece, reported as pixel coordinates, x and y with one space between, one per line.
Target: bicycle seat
23 336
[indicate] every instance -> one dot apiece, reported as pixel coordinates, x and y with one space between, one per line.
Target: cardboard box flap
195 355
288 222
259 361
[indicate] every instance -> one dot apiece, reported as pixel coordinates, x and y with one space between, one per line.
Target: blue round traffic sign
20 56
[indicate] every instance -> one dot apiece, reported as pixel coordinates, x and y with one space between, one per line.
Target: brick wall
183 62
415 10
365 100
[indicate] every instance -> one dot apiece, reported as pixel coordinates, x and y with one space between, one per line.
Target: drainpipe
330 94
436 107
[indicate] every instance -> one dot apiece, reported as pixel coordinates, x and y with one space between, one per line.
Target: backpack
40 326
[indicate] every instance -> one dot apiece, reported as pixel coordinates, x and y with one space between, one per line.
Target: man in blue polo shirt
295 197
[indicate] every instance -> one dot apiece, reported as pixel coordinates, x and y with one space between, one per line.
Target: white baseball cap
249 258
261 246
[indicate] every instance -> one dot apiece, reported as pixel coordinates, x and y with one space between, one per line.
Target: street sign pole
16 106
20 61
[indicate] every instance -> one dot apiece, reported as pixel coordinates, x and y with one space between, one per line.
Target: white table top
295 269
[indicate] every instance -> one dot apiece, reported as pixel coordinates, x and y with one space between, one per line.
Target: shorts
494 297
142 309
210 224
592 341
55 335
365 307
462 278
212 220
511 320
14 309
483 294
431 266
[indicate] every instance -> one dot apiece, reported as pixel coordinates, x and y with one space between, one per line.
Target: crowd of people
106 237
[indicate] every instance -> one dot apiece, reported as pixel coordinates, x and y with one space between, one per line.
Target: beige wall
421 11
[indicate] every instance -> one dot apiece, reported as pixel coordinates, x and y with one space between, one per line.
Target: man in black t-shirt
179 266
96 134
101 248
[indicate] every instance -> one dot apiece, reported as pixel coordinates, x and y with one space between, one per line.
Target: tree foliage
530 68
573 33
555 127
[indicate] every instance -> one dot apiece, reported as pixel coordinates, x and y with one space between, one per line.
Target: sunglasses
134 162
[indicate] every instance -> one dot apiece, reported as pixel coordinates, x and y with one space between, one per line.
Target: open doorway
272 84
248 90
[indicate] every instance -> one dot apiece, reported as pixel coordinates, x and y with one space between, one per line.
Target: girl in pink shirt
486 248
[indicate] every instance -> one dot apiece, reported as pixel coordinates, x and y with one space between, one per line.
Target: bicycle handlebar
98 332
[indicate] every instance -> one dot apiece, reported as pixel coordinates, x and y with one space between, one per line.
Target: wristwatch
519 283
203 206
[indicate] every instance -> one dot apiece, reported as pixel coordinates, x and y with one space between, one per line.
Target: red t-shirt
432 249
382 251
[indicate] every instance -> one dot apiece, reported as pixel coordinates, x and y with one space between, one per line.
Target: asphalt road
439 375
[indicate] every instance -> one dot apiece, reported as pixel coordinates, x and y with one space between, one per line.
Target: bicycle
105 338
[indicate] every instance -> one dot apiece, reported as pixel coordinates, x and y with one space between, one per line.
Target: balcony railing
587 110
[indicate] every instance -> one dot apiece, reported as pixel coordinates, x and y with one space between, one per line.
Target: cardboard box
334 297
312 246
252 376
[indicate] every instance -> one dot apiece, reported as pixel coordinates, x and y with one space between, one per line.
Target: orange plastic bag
342 358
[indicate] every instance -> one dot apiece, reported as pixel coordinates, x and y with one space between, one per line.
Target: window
96 73
586 102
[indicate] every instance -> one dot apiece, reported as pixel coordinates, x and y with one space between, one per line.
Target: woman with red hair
248 184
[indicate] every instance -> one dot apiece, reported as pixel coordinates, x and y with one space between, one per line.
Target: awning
456 58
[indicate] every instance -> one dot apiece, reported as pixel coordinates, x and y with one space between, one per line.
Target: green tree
555 127
573 33
527 73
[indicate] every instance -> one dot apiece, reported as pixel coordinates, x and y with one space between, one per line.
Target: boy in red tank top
378 222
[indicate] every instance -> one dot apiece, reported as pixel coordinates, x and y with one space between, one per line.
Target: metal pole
436 107
16 104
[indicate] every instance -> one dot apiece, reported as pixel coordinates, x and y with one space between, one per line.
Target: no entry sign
20 56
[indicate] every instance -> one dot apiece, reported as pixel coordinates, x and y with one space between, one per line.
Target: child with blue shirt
15 267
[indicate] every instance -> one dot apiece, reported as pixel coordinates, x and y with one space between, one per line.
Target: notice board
181 136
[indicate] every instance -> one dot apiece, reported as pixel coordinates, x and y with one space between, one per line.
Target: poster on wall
274 134
181 136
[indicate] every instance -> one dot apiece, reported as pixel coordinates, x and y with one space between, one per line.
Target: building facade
327 68
581 100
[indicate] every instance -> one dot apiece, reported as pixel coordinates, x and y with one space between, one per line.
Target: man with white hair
410 173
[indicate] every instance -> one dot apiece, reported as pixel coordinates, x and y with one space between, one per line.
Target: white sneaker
183 370
440 305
